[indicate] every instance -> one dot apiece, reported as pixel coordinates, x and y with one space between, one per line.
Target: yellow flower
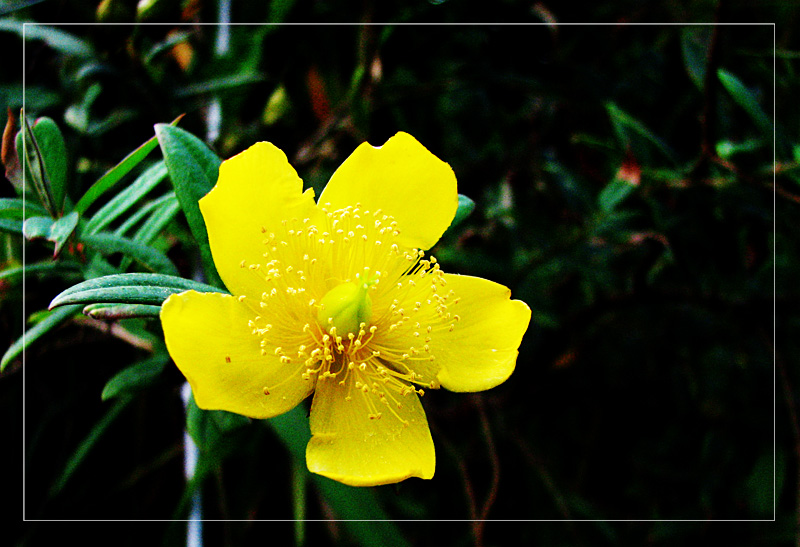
337 298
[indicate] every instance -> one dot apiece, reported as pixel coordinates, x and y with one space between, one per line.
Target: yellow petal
208 337
350 447
403 179
481 350
256 190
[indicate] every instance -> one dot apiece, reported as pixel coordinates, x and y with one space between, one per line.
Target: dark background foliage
625 190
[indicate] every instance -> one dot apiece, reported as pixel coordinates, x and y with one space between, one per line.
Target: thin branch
791 406
494 460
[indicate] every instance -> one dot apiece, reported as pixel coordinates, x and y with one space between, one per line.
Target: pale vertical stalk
221 46
194 528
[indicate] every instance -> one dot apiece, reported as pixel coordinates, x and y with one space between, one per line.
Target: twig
493 458
116 330
788 394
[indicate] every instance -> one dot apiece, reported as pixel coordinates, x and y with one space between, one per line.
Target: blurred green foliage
631 183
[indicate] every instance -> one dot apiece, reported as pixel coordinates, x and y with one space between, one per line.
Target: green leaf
132 288
37 227
53 320
14 5
613 194
58 231
142 212
164 211
149 257
88 443
635 136
11 226
35 168
115 312
219 84
57 39
171 41
193 169
279 9
465 208
62 229
127 198
59 268
54 153
695 42
572 187
45 163
136 377
117 172
20 209
78 115
746 99
208 427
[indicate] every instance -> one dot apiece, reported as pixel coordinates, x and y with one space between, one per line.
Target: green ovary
345 307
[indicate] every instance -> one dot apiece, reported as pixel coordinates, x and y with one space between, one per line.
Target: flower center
346 307
344 303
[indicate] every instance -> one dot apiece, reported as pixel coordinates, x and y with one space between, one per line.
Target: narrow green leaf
136 377
279 9
19 209
88 443
115 312
219 84
134 294
35 168
14 5
53 320
57 39
149 257
572 187
131 288
727 149
193 169
79 115
127 198
58 268
634 135
613 194
54 153
37 227
465 208
11 226
293 429
124 167
142 212
695 42
208 427
62 229
58 231
171 41
746 99
164 212
108 180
